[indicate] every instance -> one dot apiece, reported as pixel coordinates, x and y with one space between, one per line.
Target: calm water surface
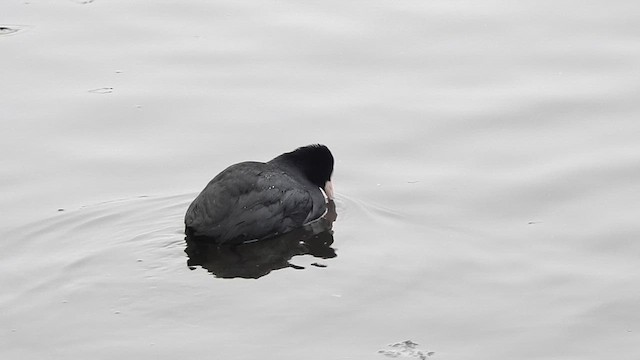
488 177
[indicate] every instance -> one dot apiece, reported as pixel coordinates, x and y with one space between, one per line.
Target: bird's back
252 200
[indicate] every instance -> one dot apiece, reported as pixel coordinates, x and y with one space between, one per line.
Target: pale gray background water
488 176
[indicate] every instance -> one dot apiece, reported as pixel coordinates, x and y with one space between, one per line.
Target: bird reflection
253 260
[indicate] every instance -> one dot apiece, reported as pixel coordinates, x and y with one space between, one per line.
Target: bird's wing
247 202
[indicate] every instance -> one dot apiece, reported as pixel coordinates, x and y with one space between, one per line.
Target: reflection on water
253 260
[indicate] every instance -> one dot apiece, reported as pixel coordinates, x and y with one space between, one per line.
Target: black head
315 162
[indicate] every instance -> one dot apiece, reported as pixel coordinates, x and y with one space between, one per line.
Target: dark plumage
254 200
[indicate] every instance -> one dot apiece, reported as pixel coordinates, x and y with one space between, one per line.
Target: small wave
352 207
11 29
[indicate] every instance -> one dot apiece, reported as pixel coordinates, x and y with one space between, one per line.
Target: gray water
487 177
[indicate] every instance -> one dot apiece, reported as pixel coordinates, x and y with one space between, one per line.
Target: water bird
254 200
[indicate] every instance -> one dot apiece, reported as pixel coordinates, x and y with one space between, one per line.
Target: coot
254 200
